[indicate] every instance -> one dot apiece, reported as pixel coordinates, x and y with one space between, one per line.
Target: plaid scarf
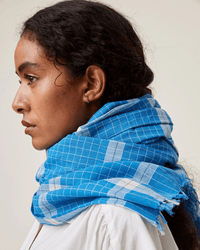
124 156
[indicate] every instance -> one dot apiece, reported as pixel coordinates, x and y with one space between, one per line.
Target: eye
30 78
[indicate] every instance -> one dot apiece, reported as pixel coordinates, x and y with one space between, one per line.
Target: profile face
51 106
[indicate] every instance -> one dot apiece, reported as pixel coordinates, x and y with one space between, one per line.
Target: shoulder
101 227
117 216
123 228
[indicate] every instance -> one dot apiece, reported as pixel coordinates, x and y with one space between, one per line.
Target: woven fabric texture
119 157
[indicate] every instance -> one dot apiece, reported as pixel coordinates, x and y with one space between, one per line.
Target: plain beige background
170 32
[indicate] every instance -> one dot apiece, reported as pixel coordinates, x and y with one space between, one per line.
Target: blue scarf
119 157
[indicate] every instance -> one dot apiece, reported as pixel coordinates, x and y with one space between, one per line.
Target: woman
111 178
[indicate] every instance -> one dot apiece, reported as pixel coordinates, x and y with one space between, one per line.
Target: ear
96 81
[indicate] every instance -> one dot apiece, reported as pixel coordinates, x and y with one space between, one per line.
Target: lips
29 127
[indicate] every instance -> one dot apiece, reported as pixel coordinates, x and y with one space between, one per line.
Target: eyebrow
26 65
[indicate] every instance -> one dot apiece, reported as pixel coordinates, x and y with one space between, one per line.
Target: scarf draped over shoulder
124 156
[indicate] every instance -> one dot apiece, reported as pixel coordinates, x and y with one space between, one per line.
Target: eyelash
31 79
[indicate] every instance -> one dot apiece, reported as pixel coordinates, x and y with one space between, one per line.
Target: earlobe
96 83
87 100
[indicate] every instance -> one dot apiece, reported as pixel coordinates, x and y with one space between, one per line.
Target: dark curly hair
81 33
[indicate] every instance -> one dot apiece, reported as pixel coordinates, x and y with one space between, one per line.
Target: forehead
28 51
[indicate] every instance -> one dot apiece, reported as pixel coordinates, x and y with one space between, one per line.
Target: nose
20 103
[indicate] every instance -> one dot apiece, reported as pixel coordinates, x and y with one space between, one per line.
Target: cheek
48 100
55 114
59 112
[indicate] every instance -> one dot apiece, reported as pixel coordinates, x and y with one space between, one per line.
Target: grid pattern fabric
118 157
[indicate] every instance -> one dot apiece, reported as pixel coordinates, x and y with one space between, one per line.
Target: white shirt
101 227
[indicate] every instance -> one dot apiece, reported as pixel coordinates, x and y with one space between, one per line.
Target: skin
51 106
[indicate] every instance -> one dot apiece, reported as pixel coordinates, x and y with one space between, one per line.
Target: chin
40 143
40 146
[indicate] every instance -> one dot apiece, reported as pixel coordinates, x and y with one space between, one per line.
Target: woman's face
51 107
